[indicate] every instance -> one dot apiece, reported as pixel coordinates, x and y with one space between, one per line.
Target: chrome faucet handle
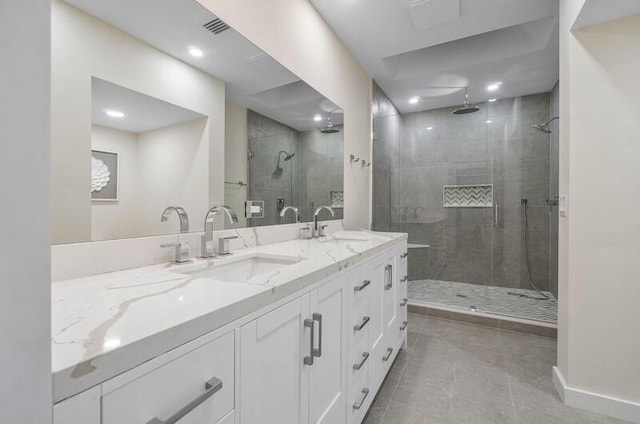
321 229
224 247
181 251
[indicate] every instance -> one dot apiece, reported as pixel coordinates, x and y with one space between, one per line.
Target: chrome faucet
181 249
319 231
207 238
289 208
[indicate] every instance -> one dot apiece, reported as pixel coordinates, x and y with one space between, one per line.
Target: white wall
158 168
293 33
173 169
82 47
111 220
599 277
25 297
235 160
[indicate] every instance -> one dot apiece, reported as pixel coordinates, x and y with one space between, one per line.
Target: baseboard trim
594 402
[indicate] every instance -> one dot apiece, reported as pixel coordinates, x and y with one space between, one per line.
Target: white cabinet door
327 390
391 304
274 380
376 325
83 408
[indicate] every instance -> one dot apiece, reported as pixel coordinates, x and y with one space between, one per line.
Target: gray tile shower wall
270 179
321 169
426 150
305 181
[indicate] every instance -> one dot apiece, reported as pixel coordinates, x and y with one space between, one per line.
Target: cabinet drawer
358 314
359 398
192 379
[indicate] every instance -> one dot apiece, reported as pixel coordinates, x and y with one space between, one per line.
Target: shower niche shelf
467 196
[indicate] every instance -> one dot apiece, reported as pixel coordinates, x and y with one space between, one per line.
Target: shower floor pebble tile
455 373
487 299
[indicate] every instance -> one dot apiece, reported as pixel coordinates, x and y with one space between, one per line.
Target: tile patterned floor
489 299
455 373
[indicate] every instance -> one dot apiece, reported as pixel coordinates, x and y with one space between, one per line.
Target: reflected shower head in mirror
287 156
329 129
465 109
545 127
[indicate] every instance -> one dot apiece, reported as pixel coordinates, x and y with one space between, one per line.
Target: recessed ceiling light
414 100
317 118
492 100
429 128
489 121
194 51
494 86
114 113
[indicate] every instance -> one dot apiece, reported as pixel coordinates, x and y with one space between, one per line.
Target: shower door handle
495 214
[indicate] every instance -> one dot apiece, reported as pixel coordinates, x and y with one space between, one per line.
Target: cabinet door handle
359 365
318 352
386 357
404 302
389 270
404 279
362 286
404 255
404 326
360 326
358 405
308 360
211 387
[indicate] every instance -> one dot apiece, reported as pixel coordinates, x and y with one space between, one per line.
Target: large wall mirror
159 103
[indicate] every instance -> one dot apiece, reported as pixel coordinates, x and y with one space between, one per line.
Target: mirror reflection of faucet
284 210
207 239
181 249
318 230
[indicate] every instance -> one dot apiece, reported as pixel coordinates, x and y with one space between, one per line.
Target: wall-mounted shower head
466 108
287 156
545 127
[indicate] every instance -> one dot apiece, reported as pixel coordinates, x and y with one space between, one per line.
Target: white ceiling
253 79
425 48
142 112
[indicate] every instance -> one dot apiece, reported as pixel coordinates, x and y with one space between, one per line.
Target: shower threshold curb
538 328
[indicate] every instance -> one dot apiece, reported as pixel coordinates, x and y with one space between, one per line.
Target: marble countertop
103 325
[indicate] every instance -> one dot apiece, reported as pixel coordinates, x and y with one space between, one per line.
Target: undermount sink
244 268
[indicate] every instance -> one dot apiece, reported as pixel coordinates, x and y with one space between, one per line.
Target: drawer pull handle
404 302
362 286
308 360
360 326
404 326
358 405
211 387
365 356
389 273
404 279
318 352
404 255
386 357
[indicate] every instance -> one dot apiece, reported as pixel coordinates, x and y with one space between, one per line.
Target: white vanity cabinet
292 361
318 356
83 408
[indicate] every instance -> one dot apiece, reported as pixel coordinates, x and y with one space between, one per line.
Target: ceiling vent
216 26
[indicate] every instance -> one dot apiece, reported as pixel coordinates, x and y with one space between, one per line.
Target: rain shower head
545 127
465 109
329 129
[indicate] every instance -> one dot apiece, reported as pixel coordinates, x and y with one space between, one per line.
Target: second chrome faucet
207 239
